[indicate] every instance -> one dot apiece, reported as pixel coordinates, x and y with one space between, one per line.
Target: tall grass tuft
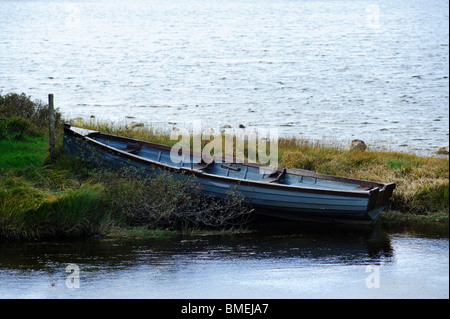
145 133
31 212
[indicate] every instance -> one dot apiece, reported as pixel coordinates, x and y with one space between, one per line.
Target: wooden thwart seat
203 165
132 147
275 176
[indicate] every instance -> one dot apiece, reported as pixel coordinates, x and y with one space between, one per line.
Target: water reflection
273 260
265 241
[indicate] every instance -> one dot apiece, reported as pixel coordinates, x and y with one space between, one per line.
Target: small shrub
168 202
14 105
17 127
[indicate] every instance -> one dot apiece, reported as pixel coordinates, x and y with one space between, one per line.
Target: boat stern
379 199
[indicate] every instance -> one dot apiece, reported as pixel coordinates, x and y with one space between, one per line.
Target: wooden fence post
51 126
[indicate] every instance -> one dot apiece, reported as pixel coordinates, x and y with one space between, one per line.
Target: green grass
31 210
136 232
395 217
24 153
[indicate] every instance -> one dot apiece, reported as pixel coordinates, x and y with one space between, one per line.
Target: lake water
275 260
330 69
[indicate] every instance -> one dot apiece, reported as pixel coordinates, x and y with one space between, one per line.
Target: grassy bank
42 198
67 198
422 193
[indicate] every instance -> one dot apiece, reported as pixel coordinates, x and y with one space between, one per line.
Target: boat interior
243 171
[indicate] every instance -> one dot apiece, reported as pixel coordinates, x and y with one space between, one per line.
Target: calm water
333 70
275 261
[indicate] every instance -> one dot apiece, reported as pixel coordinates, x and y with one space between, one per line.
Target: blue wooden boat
292 194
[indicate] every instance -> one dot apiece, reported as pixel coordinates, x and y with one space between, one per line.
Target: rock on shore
356 145
135 124
442 150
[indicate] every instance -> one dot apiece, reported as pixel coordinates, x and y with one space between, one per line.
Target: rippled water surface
276 260
333 70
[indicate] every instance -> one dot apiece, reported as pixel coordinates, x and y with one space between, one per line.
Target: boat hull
298 206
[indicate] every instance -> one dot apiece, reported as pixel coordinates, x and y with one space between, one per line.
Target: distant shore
43 197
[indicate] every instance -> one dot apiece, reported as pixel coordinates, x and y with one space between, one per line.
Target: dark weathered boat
293 194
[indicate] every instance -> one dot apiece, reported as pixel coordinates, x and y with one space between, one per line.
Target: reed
146 133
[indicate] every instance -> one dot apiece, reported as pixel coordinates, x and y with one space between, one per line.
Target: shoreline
376 145
43 197
112 230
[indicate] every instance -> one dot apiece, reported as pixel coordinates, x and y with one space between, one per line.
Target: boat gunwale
372 193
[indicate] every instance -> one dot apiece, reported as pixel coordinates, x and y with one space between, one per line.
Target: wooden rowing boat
293 194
